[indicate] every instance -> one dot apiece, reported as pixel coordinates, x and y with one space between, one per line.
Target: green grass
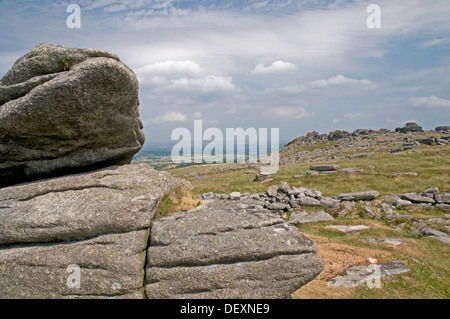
432 169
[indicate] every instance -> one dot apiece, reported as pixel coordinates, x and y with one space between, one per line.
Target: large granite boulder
228 249
97 221
64 111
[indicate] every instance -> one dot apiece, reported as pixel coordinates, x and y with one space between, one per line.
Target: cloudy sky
294 65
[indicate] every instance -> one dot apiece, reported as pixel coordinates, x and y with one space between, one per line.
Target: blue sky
294 65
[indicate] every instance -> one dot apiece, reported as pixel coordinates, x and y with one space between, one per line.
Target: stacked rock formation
64 111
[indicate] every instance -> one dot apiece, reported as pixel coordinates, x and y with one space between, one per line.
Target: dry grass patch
179 199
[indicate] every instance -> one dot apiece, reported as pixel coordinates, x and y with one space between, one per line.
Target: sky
299 66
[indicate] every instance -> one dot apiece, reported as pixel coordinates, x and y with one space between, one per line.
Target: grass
432 169
179 199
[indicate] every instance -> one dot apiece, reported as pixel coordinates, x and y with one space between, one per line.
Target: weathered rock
351 170
278 206
222 251
443 199
235 196
368 195
64 111
284 188
443 129
401 202
98 221
434 191
369 212
358 275
308 201
321 168
416 198
349 230
391 241
409 127
329 202
444 237
311 218
272 191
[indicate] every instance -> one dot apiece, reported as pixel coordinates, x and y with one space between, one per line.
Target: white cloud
341 80
276 67
336 121
434 42
295 89
358 115
210 83
288 112
172 116
198 114
170 68
430 102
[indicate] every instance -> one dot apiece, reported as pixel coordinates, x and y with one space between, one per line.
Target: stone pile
285 198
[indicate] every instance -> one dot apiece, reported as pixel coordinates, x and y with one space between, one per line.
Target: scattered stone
329 202
358 275
352 170
401 202
391 241
398 216
368 195
261 177
387 209
284 188
369 212
296 218
444 206
312 173
404 174
349 230
272 191
207 196
427 231
308 201
390 199
372 260
277 206
443 199
313 217
322 168
431 191
416 198
235 196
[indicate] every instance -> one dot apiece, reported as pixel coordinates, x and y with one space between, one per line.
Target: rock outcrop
409 127
225 249
97 221
65 111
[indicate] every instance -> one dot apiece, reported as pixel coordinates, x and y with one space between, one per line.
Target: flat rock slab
368 195
416 198
391 241
427 231
322 168
98 221
228 249
358 275
304 218
349 230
